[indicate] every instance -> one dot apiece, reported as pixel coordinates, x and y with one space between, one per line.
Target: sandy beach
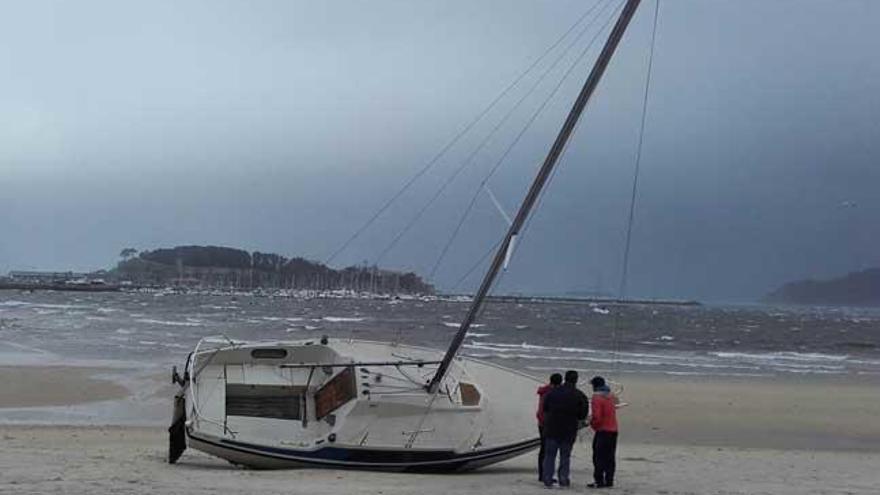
366 234
680 435
104 460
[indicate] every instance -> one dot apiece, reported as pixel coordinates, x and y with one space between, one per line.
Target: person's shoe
548 485
564 483
595 485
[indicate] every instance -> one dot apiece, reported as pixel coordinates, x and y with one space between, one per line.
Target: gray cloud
281 126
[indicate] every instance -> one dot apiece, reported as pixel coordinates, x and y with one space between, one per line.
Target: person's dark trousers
541 454
604 452
563 446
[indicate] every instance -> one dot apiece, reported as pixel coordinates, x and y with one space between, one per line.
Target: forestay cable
540 201
522 132
453 141
470 158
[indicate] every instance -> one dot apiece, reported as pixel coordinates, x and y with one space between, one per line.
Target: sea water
159 330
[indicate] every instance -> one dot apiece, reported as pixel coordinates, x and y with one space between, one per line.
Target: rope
621 292
450 144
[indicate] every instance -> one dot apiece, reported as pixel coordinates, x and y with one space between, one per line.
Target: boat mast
525 208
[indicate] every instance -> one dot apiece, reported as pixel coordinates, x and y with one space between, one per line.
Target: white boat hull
354 404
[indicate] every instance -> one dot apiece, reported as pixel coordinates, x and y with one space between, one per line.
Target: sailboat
343 403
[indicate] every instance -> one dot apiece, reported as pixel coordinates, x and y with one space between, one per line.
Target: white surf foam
342 319
170 323
525 345
782 356
452 324
25 304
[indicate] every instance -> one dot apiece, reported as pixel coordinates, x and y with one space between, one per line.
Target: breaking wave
342 319
171 323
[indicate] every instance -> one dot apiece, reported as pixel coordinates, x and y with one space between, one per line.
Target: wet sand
36 386
679 435
796 413
109 460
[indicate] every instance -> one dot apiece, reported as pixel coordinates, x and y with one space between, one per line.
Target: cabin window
264 401
336 392
269 353
470 396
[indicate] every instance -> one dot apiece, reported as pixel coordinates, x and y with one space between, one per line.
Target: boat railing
358 363
412 386
228 343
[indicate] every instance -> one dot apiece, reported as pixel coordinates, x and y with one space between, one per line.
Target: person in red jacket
555 381
604 423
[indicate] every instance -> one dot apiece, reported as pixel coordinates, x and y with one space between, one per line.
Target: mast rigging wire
540 200
624 270
453 141
540 180
435 382
485 141
516 140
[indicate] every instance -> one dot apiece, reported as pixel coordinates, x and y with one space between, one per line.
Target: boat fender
324 340
331 437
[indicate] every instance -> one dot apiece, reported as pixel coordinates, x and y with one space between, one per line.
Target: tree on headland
216 266
128 253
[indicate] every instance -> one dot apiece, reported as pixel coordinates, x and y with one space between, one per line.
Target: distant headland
854 289
226 268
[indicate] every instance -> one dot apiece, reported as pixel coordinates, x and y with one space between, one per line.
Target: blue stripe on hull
392 460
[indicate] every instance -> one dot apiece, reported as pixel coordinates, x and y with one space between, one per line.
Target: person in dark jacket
565 408
543 390
604 423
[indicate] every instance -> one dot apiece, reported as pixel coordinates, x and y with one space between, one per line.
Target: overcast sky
281 126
